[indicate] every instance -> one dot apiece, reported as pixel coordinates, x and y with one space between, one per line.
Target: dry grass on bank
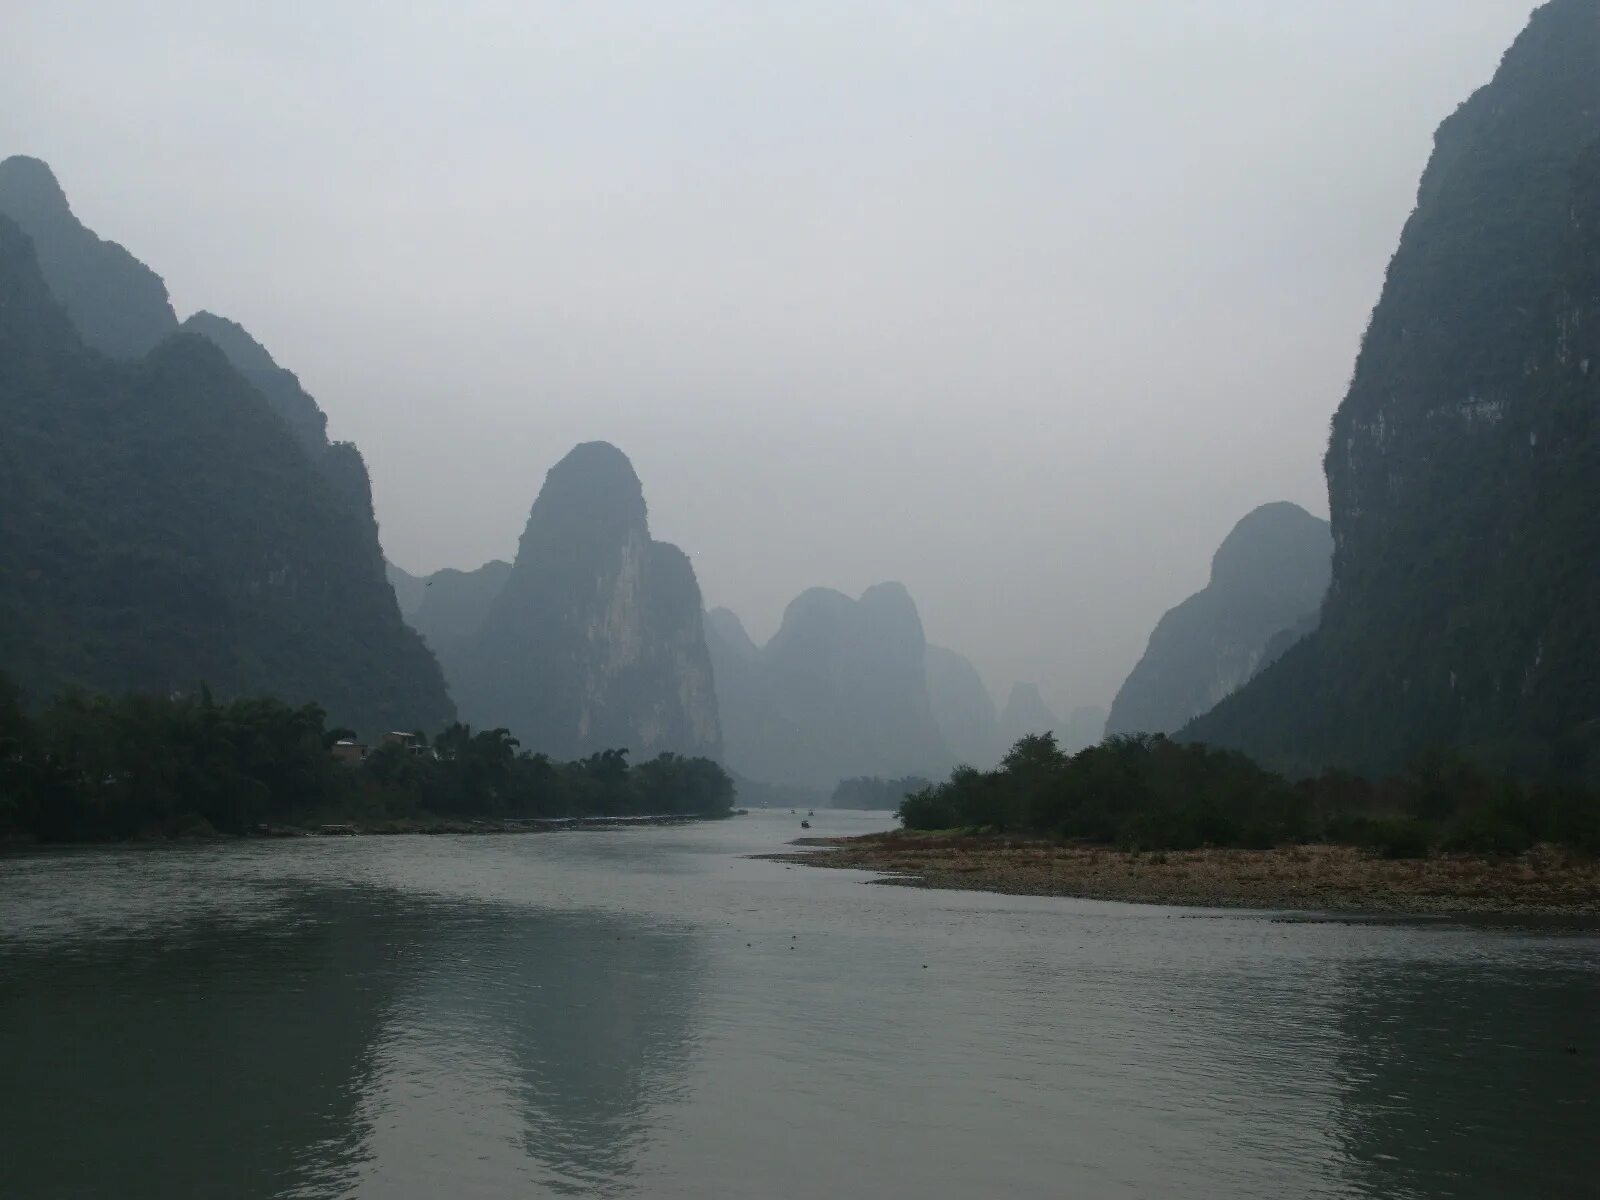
1317 877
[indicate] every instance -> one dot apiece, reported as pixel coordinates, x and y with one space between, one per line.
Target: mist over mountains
176 518
840 691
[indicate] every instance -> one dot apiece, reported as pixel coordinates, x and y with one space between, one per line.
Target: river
649 1012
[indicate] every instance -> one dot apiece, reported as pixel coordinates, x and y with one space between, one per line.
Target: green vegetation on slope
1464 464
161 529
89 768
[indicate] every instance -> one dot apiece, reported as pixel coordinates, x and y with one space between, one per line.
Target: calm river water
650 1013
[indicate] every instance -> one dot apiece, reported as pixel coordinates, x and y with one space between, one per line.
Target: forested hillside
1464 464
163 529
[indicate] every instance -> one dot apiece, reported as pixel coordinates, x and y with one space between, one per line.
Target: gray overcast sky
1021 304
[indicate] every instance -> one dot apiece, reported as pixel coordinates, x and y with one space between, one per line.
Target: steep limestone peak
889 597
28 186
593 494
1461 463
596 640
1276 549
724 624
118 304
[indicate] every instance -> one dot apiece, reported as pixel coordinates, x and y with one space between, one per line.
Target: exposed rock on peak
595 641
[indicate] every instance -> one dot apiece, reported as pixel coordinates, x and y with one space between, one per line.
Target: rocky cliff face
595 640
839 692
161 530
962 707
1463 463
1268 577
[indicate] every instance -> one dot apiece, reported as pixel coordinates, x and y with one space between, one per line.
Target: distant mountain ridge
1268 577
449 607
839 692
1025 713
962 707
162 526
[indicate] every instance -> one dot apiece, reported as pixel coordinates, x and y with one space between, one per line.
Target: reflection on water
338 1042
1468 1079
228 1058
528 1050
651 1013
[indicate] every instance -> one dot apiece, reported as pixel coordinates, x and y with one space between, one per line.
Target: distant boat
810 812
805 824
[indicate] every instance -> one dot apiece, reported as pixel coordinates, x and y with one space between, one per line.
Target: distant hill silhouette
1267 578
839 692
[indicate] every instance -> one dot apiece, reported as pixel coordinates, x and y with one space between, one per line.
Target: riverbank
344 826
1341 879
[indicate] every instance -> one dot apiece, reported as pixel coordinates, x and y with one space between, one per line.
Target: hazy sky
1023 304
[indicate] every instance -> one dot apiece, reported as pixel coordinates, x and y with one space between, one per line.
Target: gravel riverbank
1339 879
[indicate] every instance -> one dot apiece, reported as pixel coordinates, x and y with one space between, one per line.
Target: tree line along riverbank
1147 818
98 768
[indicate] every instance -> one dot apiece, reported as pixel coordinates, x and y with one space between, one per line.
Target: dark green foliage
281 388
1147 792
1464 463
89 768
873 791
161 529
